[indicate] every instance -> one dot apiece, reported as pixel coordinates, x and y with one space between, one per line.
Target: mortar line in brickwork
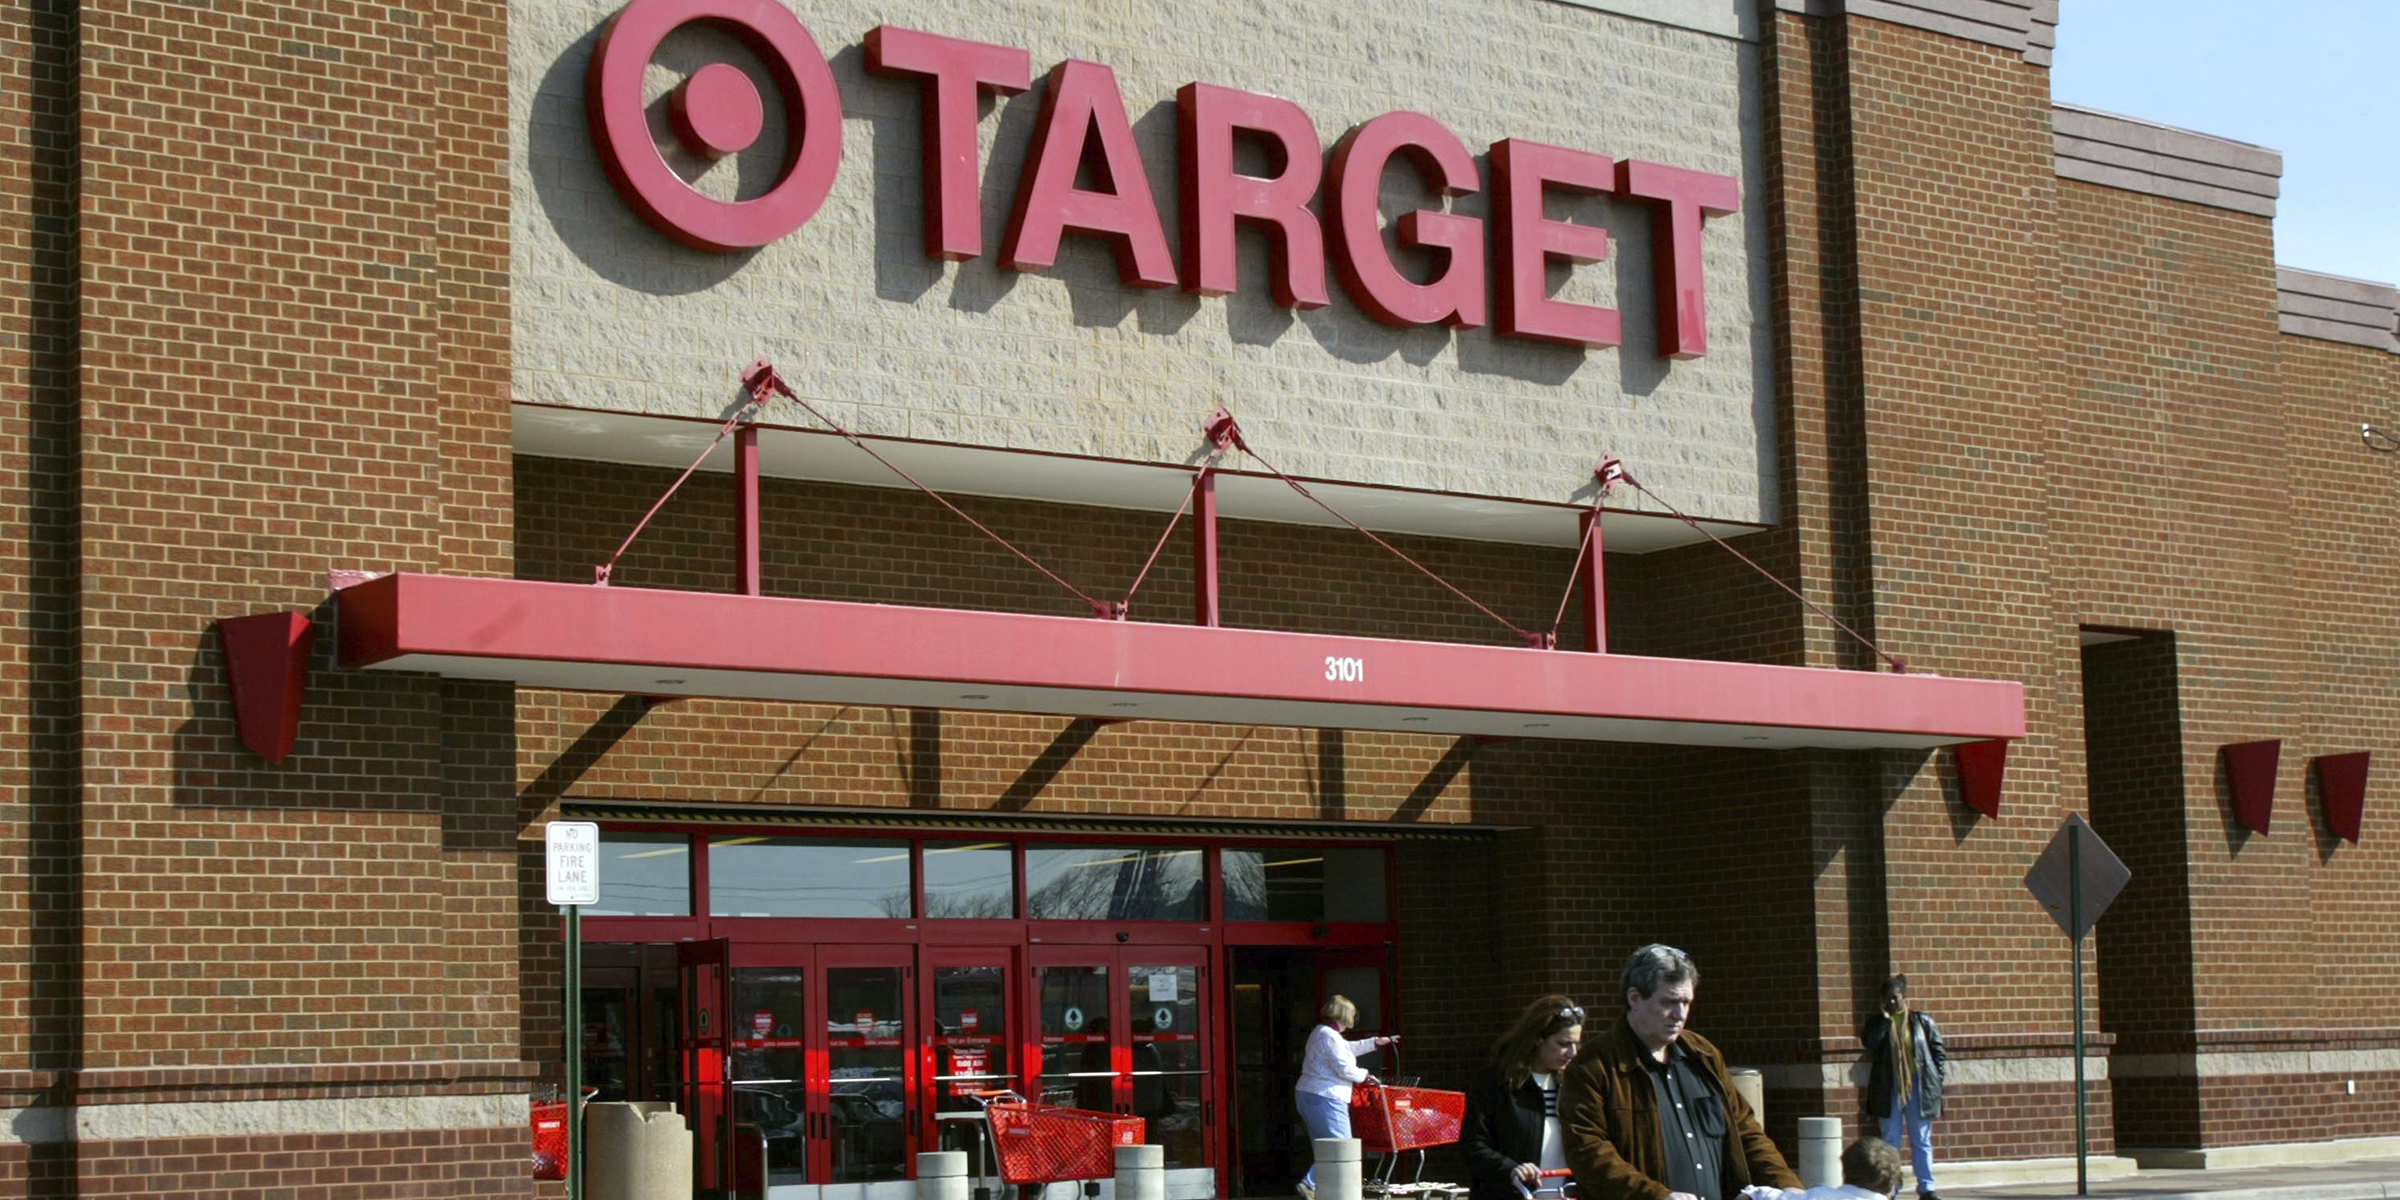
1899 665
1234 434
763 382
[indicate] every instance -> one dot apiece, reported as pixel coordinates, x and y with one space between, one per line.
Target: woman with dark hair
1511 1133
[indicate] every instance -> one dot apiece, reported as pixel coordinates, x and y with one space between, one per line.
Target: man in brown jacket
1648 1109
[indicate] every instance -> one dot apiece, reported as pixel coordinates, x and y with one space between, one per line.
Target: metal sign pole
2075 930
574 1023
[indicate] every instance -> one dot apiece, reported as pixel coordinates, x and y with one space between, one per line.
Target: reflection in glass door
968 1048
867 1093
1078 1067
701 1044
1169 1063
767 1069
1125 1031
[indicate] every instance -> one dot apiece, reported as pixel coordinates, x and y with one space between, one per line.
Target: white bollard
1340 1173
1820 1162
942 1175
1141 1173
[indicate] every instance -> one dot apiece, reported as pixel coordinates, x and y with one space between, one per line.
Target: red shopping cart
1391 1119
1041 1144
550 1133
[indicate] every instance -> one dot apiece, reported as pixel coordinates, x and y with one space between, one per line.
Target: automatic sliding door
866 1058
1078 1059
768 1076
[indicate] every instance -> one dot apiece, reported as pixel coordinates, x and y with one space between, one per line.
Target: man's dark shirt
1691 1123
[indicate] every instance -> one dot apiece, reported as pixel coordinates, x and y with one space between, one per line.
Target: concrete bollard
942 1175
1820 1162
1753 1088
1141 1173
1340 1172
636 1151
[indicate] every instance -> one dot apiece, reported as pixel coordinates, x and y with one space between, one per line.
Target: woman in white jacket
1327 1070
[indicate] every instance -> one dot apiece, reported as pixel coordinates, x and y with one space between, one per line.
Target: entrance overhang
636 641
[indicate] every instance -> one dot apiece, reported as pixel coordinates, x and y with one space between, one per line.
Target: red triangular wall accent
1981 765
2251 768
266 662
2342 788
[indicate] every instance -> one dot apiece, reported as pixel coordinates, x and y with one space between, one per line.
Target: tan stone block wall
611 315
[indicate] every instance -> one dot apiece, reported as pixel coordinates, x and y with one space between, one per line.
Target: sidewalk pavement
2359 1179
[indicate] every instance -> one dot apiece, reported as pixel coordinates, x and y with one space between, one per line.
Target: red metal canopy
645 642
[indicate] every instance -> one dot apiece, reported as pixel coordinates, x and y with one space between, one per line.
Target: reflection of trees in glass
997 905
797 877
970 880
1113 883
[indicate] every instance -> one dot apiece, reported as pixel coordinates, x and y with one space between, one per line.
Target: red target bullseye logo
716 112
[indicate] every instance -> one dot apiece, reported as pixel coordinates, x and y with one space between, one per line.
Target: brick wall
282 350
2346 571
2135 753
277 336
2168 308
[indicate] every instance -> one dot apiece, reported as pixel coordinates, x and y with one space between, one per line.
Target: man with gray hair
1648 1109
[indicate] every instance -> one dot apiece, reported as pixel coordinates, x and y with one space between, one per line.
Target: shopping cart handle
1560 1190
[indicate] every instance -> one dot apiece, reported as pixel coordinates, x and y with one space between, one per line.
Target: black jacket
1503 1128
1883 1069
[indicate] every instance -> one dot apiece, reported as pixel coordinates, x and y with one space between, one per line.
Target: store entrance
823 1009
1125 1030
800 1079
1273 1002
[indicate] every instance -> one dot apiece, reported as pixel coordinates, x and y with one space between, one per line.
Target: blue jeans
1908 1129
1325 1117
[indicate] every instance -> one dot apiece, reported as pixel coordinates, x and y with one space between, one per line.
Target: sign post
571 877
2076 878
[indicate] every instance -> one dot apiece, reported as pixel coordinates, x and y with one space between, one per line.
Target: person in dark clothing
1511 1130
1906 1067
1649 1108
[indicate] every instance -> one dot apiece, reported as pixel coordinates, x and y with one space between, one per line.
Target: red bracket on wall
266 664
1981 767
2342 787
2250 767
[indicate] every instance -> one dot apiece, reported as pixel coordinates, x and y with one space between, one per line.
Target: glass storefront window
1305 883
644 875
970 879
805 877
1114 883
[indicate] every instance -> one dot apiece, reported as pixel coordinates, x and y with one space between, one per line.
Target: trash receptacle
636 1151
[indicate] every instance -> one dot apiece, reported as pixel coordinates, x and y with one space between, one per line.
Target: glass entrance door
967 1047
700 1047
869 1095
819 1083
1125 1030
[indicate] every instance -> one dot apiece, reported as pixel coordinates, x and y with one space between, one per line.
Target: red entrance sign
969 1062
1083 130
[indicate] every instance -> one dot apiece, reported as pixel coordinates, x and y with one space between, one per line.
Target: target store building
1049 537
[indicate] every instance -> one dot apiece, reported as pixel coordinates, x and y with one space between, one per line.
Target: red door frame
1119 960
919 942
1005 1036
816 963
703 970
